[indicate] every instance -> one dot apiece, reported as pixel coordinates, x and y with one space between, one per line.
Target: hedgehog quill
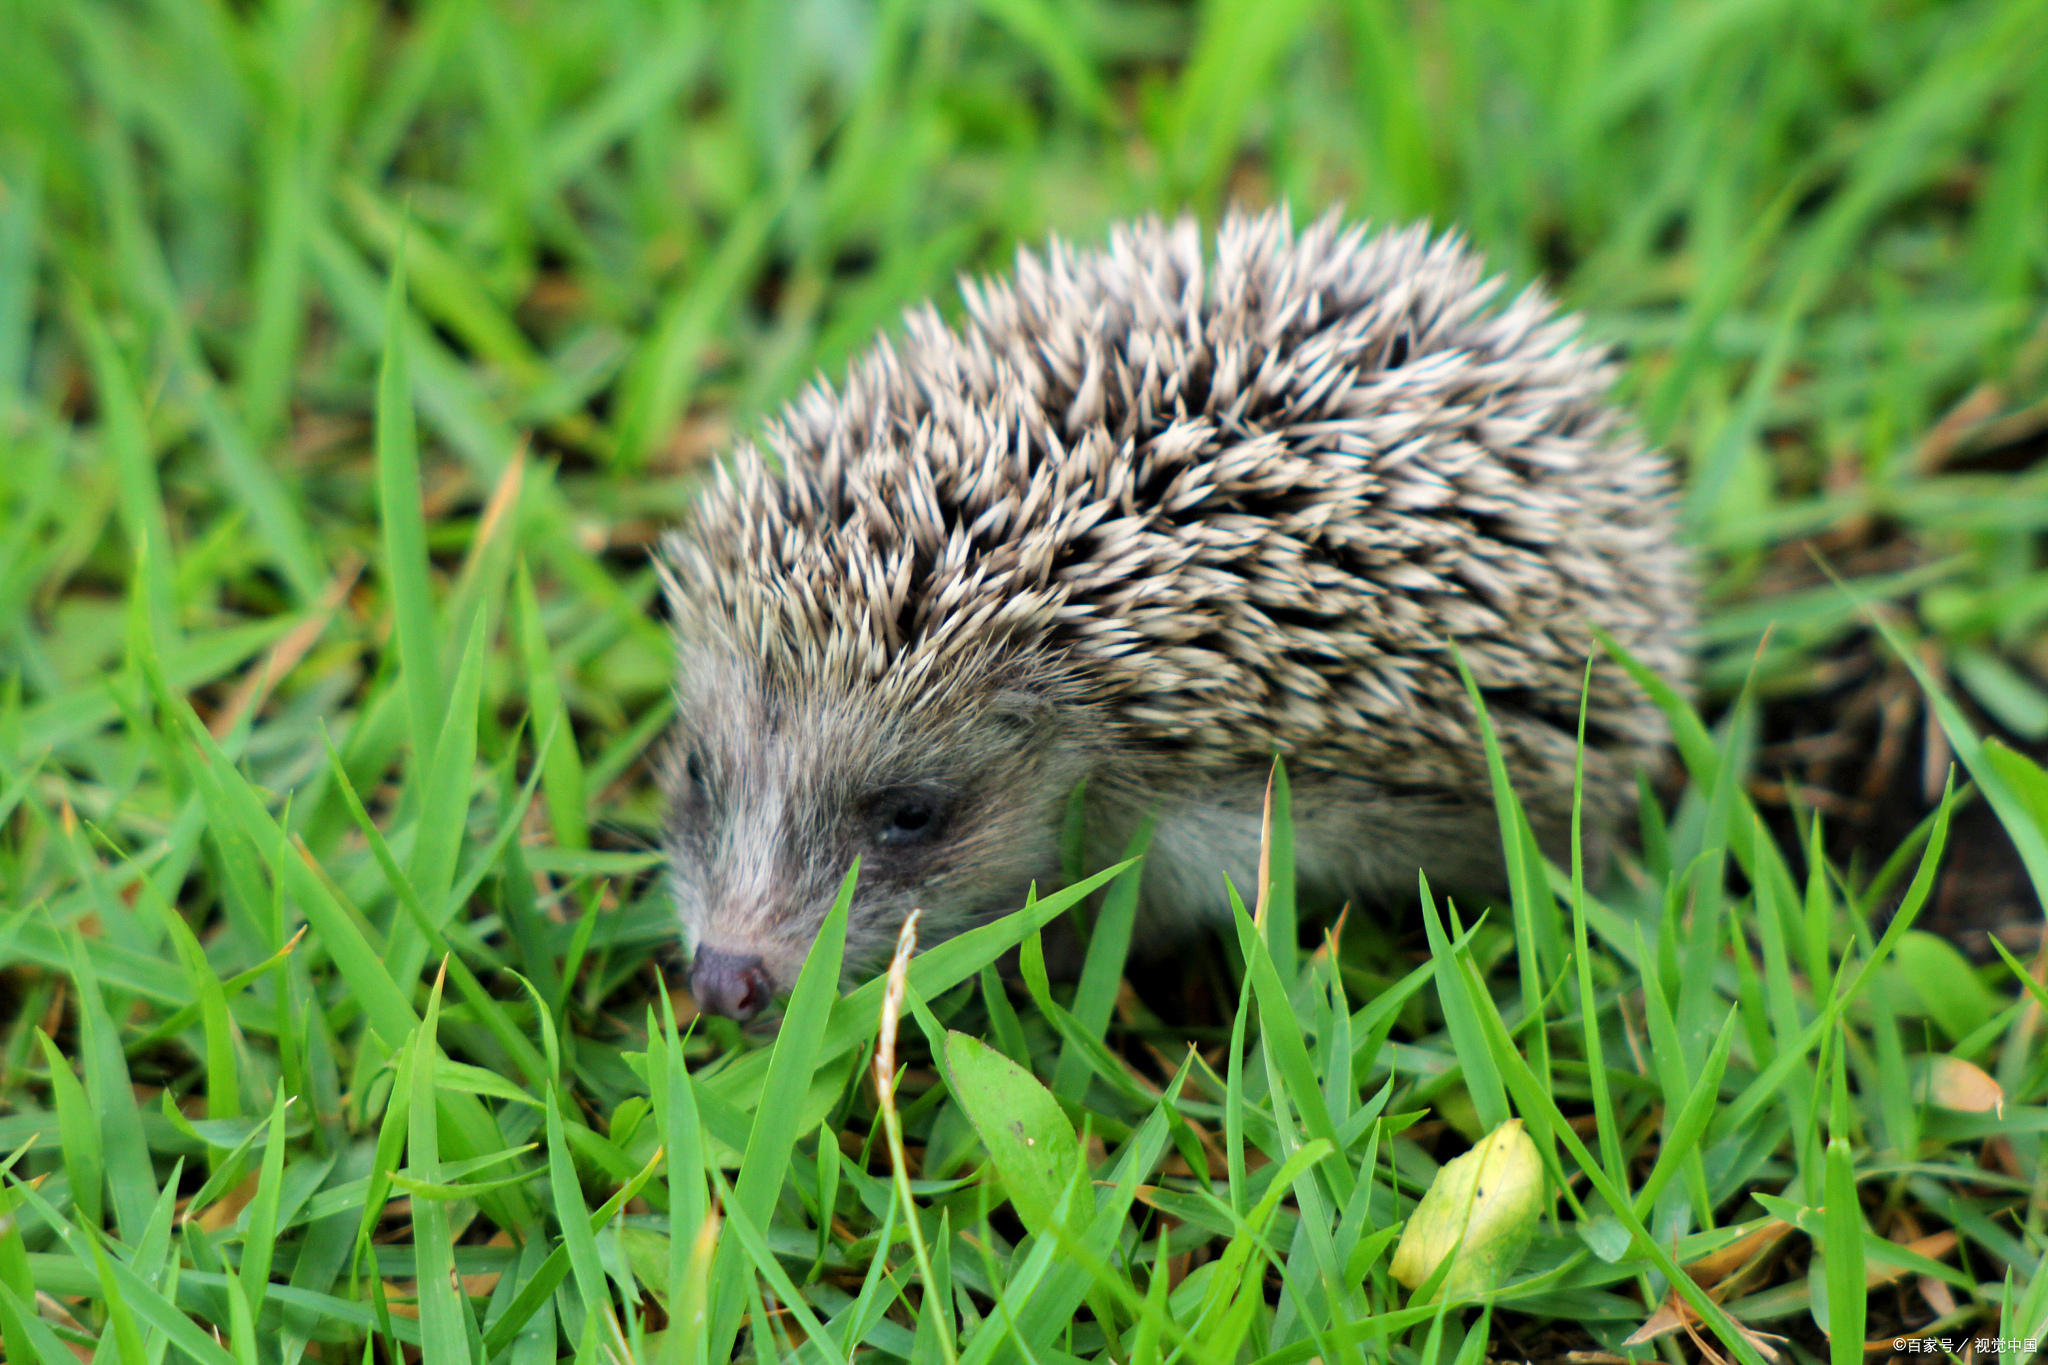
1145 518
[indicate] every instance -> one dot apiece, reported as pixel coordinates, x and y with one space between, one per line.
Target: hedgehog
1143 521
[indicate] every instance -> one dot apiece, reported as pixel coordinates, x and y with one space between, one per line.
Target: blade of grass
271 344
444 1315
1848 1300
443 811
272 511
799 1050
577 1235
21 212
535 1293
223 1082
480 1001
125 433
1461 1020
135 1294
404 526
1770 1082
1530 1094
78 1136
563 768
1280 1033
131 1179
1102 971
260 1241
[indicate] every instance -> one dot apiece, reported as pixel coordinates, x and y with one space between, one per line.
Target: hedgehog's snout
736 985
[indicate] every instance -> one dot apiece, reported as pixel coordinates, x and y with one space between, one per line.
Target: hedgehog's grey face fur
776 787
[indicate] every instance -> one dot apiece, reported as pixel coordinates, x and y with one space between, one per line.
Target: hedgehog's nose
735 985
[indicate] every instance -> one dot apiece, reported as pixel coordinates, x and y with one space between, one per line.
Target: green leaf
451 1190
1481 1211
1020 1124
18 1311
128 1347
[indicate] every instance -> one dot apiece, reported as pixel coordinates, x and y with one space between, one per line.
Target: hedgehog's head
952 800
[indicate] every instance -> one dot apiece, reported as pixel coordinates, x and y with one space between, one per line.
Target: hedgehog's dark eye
902 819
909 820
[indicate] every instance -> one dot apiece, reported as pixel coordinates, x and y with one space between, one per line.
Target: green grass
327 1017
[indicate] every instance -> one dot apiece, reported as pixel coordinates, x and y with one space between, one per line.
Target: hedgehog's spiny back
1251 502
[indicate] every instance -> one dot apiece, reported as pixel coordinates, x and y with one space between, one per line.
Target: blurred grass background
1816 231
